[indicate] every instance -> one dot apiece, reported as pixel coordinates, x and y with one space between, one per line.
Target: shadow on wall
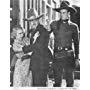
76 17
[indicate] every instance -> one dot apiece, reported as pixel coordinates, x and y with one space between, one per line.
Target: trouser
63 66
39 78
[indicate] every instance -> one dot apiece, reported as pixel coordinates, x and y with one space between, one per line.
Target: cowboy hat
65 5
32 15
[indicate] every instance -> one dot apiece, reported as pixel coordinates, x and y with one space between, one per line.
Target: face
47 24
34 23
64 14
19 33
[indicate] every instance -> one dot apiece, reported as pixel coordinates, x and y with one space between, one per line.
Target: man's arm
26 49
29 48
76 41
53 26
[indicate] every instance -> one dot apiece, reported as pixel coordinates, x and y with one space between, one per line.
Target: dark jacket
65 34
41 54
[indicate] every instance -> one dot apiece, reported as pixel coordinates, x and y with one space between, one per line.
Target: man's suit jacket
41 54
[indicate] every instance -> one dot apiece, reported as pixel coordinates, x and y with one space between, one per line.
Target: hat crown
64 5
66 2
32 12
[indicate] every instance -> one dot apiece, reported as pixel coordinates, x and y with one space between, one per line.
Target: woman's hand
17 47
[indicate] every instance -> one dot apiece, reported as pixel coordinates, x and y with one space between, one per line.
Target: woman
21 77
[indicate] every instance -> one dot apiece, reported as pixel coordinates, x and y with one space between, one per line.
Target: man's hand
76 56
77 62
35 36
26 49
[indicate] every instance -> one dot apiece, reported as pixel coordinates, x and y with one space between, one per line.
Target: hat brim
70 9
28 19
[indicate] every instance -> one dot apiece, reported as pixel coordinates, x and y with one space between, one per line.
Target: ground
76 83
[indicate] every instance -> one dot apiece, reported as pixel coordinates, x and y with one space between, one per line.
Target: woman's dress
22 77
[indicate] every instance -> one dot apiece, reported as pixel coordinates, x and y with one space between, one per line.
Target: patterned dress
22 77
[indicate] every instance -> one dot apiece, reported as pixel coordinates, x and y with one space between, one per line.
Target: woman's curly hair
14 31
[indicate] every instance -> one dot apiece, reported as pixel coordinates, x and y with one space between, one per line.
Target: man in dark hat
65 34
33 21
41 54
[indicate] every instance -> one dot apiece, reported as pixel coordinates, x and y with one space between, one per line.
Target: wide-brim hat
32 13
65 5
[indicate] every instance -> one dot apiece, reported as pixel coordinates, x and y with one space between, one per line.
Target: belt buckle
60 48
66 49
